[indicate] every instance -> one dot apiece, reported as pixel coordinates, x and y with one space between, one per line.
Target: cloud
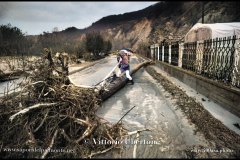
4 7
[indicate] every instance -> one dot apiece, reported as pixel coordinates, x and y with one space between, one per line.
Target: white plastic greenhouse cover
209 31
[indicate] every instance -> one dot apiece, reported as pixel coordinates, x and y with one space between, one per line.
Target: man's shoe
132 83
114 76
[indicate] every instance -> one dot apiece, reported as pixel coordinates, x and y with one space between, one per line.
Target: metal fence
166 52
174 53
236 66
160 52
189 56
217 59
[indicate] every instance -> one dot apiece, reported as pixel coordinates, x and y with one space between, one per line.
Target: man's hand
119 59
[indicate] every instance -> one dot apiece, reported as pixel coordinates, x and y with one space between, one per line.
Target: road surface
170 131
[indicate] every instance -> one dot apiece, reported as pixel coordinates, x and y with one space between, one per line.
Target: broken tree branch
65 135
45 117
135 146
137 131
86 133
100 152
125 114
30 108
50 146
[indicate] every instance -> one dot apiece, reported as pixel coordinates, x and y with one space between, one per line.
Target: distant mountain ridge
168 21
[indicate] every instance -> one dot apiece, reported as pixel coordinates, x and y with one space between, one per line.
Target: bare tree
55 29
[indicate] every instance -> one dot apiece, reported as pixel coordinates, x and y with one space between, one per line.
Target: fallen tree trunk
117 84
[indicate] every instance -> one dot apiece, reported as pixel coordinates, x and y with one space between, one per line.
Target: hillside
168 21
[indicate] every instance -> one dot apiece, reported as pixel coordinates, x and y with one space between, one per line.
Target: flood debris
223 142
52 118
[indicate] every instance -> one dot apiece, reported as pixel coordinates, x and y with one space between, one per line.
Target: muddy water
170 133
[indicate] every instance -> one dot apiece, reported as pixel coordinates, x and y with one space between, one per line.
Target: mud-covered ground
171 130
157 109
223 142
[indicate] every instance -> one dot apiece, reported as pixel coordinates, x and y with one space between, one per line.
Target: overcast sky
35 17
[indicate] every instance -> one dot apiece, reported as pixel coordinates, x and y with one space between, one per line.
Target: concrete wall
227 97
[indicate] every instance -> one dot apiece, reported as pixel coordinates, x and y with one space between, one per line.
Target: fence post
163 53
181 47
199 56
169 58
155 52
152 51
158 52
236 66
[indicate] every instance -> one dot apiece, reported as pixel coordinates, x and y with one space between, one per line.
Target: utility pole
202 12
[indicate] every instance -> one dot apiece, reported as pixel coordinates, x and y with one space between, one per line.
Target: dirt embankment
224 142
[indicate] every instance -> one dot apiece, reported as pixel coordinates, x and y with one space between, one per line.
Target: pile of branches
51 118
